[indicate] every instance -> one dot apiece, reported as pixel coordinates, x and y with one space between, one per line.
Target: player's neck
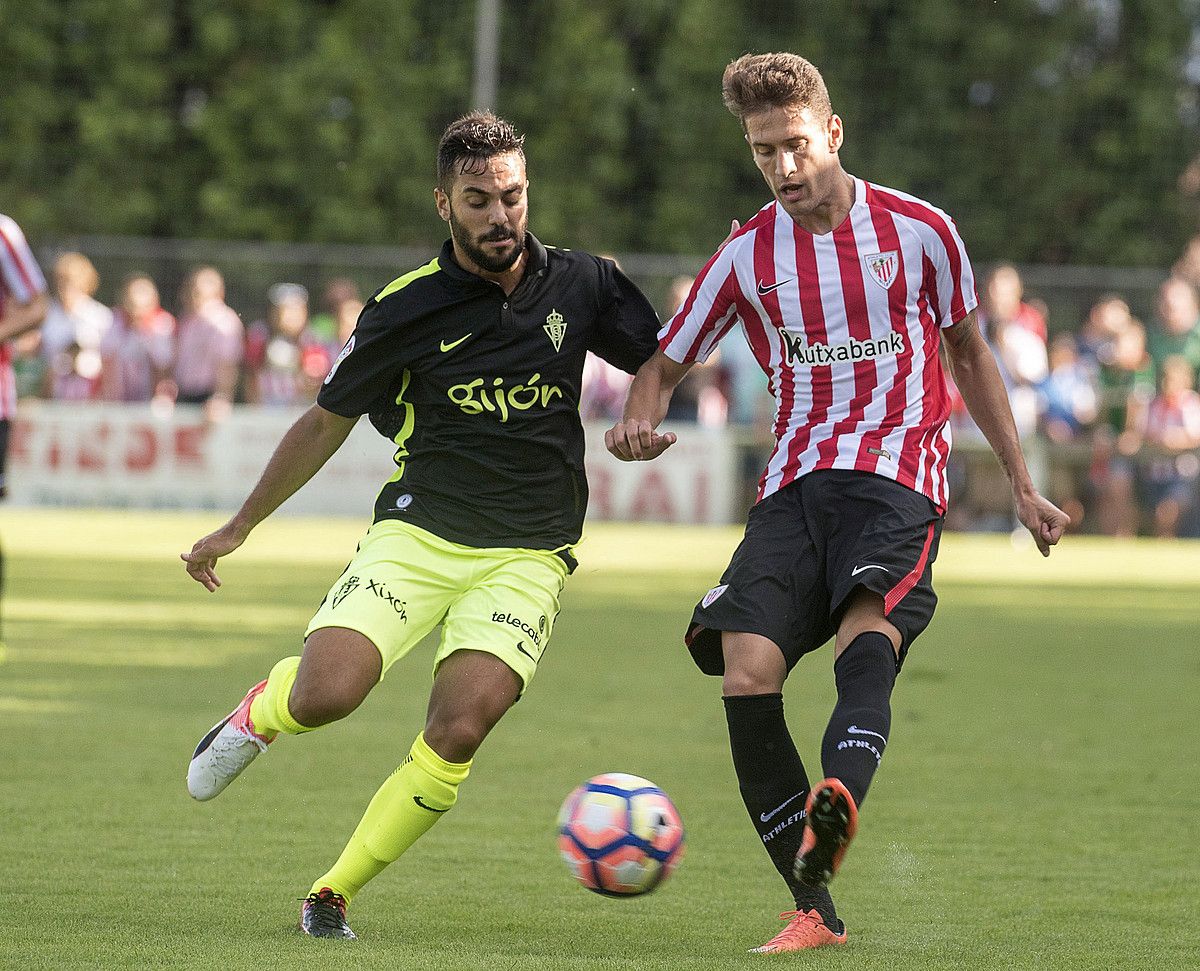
832 211
507 280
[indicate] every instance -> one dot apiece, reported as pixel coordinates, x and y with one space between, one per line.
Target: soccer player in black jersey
471 365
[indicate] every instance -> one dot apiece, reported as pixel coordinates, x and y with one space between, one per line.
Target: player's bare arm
982 388
23 317
301 453
633 438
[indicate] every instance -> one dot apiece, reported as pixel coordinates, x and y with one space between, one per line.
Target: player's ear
836 133
443 203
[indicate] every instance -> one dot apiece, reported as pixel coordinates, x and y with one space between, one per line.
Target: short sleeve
955 279
706 314
365 367
626 333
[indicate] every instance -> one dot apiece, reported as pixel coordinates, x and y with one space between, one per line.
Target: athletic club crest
883 267
556 328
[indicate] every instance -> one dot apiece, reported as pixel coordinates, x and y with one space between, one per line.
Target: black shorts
807 548
5 427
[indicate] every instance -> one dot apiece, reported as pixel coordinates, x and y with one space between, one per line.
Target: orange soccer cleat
805 930
831 820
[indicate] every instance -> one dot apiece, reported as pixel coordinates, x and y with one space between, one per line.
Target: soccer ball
620 835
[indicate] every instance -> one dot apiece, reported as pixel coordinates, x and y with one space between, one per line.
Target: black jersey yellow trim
402 281
406 428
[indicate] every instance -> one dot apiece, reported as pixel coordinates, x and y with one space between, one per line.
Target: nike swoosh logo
870 566
417 800
763 291
766 817
855 730
453 344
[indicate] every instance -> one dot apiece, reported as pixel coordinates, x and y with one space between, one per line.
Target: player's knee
313 706
747 680
457 737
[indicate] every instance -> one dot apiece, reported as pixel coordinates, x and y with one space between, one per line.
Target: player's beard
492 263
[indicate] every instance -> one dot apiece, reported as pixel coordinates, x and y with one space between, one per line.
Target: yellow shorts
404 581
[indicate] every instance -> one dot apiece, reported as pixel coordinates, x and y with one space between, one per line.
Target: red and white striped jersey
846 327
20 280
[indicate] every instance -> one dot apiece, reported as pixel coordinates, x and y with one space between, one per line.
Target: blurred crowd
139 351
1113 398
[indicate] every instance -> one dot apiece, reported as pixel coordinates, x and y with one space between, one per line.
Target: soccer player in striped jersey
845 291
23 305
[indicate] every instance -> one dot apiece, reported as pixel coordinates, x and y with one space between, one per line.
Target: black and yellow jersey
480 391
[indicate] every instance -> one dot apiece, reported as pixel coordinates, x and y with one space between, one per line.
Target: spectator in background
698 397
1178 319
327 324
1172 429
1108 318
285 360
1017 333
602 385
139 350
74 330
1003 303
1068 397
1126 387
1188 265
603 390
345 319
210 345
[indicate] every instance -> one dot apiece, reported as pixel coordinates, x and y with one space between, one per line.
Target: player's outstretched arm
306 446
633 438
982 388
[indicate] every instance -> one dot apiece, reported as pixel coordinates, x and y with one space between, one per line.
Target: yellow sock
269 711
413 798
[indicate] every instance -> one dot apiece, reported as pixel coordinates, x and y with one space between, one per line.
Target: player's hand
202 560
1044 520
635 440
734 226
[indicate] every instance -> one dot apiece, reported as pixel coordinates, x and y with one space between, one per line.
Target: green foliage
1053 130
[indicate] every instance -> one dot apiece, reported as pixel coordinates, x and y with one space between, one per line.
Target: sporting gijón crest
883 267
556 329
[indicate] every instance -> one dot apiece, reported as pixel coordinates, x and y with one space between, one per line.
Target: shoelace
805 917
225 753
325 910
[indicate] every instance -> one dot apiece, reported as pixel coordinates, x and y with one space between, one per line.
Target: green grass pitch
1039 806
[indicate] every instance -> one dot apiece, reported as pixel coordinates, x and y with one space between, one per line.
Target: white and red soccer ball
620 835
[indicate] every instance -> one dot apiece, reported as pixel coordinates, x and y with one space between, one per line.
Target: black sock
858 729
774 787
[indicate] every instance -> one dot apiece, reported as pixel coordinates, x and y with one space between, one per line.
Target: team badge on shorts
883 267
711 597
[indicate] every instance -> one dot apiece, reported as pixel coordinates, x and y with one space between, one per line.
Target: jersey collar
535 263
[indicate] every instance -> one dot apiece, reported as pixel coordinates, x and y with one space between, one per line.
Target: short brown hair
468 143
756 82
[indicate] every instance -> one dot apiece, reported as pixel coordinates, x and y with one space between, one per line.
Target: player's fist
635 440
1044 520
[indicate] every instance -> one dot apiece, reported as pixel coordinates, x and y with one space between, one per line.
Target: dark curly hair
468 143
